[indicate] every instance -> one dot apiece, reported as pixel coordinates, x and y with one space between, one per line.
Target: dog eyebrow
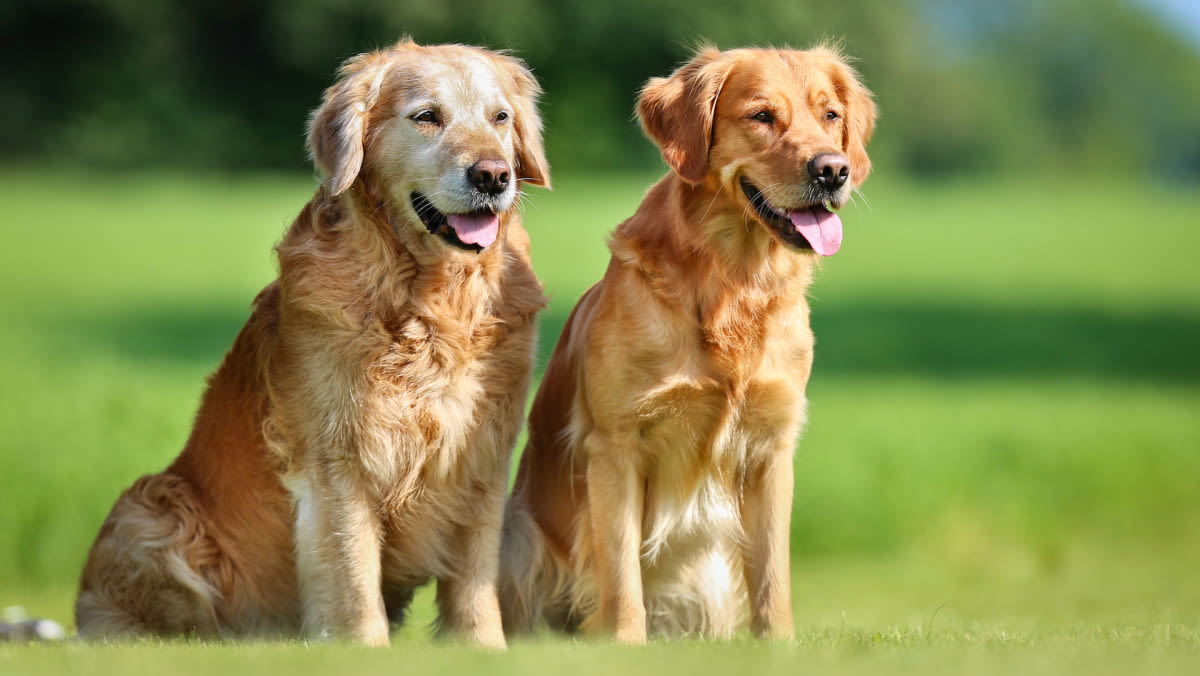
415 105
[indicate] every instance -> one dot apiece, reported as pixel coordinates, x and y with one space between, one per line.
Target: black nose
831 170
489 176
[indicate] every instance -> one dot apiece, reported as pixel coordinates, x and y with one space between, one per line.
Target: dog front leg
766 518
467 600
615 503
338 538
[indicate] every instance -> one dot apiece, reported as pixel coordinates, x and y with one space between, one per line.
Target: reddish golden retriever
654 495
355 441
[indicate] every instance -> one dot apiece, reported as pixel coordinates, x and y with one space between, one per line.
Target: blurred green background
1005 408
964 85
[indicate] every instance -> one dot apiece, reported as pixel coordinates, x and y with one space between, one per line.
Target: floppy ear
677 112
337 130
531 156
860 121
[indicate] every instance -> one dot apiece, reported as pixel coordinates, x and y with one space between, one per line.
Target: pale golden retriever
355 441
654 495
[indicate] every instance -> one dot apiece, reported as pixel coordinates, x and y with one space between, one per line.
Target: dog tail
522 554
145 572
535 585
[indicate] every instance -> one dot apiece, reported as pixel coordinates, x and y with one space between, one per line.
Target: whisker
860 196
708 208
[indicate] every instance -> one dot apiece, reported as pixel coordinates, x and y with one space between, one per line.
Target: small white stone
48 630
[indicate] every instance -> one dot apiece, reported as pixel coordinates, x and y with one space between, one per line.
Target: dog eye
426 117
763 116
832 115
502 117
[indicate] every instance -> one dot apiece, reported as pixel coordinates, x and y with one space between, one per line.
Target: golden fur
355 441
654 494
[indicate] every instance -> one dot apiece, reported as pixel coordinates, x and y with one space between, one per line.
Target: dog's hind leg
145 572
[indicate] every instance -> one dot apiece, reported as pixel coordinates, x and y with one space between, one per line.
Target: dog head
444 135
779 134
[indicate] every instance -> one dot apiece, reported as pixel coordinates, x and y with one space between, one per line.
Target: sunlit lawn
1001 472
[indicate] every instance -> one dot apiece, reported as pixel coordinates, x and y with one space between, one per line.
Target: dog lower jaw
438 223
779 221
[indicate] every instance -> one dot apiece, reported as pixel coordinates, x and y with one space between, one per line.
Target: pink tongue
821 227
480 230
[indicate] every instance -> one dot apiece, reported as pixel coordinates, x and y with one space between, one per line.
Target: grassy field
1001 472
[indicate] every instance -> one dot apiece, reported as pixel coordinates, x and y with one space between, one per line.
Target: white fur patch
682 522
306 529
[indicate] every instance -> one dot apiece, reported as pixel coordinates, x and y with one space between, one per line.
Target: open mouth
814 227
473 231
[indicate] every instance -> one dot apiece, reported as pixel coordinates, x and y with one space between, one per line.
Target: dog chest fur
415 405
697 437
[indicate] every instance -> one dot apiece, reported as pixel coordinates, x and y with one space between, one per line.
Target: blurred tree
964 85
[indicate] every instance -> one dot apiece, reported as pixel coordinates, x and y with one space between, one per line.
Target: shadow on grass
959 341
947 341
954 341
191 334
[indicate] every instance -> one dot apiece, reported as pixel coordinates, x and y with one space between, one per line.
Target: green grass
1001 472
1113 651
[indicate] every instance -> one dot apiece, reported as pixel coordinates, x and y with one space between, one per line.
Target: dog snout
489 177
830 170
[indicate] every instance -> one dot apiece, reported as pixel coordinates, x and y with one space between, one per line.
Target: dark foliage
963 85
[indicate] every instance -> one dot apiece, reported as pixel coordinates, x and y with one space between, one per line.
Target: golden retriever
355 441
654 494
